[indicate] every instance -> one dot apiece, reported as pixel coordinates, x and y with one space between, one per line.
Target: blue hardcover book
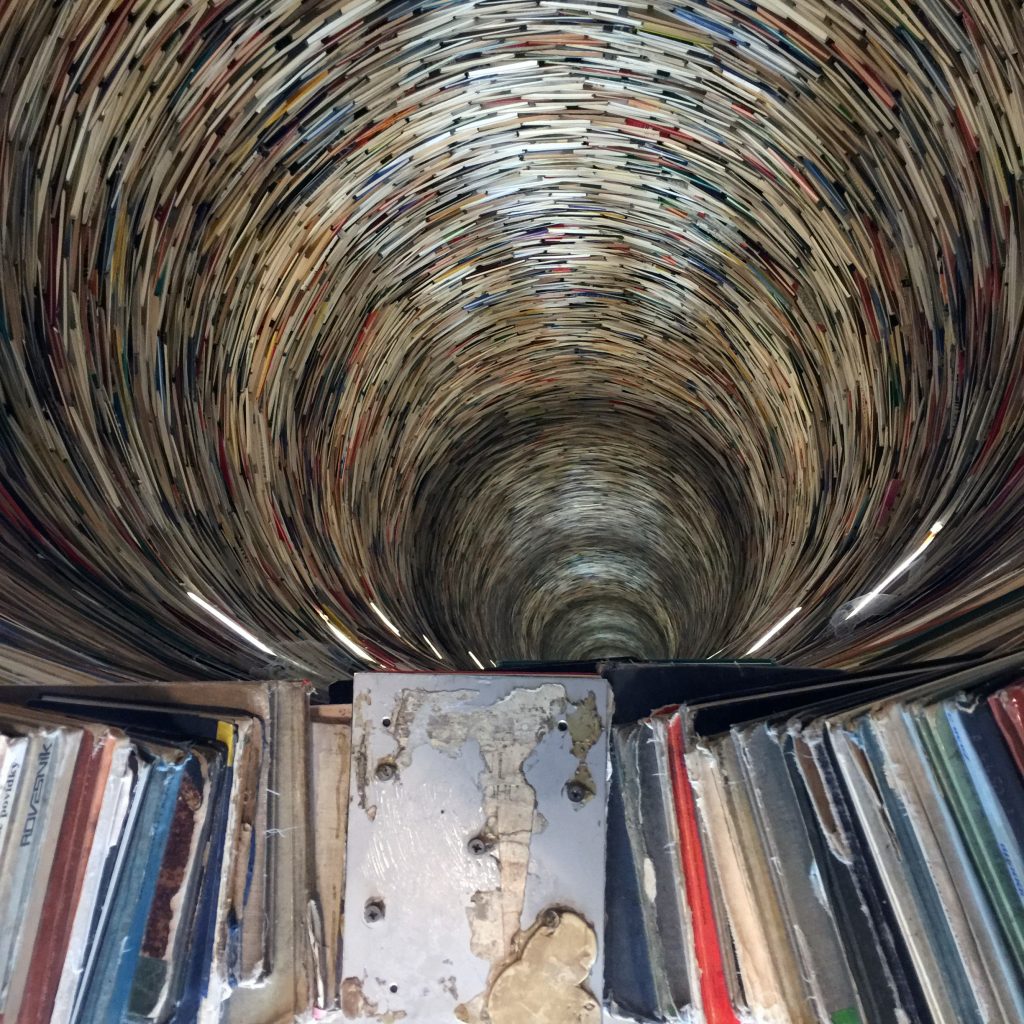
629 978
108 989
200 954
996 780
179 931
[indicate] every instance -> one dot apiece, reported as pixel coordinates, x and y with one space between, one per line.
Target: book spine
1006 707
65 883
714 991
10 771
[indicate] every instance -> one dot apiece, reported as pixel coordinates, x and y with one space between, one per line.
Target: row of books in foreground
795 847
154 851
824 854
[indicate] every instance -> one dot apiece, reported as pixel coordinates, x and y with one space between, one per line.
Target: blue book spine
200 956
110 984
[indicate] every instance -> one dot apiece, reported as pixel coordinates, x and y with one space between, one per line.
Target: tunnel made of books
341 334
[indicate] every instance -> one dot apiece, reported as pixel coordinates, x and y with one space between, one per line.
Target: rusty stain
584 725
360 759
352 999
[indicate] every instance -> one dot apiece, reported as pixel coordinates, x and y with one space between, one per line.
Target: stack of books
854 857
154 845
794 847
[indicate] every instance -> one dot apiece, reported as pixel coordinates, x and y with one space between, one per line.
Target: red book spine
64 887
714 991
1008 709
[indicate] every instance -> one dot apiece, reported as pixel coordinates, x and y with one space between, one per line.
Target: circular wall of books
354 334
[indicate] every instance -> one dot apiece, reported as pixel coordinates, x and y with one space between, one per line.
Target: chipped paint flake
355 1005
584 725
546 984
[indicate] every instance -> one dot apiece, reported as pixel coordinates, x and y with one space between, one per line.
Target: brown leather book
65 885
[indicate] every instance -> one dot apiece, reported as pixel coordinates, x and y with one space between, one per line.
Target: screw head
386 771
373 911
551 919
576 792
477 846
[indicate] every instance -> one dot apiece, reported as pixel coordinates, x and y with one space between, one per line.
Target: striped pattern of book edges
154 845
848 858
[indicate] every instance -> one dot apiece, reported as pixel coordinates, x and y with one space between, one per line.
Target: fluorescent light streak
345 639
777 628
387 622
494 664
898 571
477 661
230 623
430 644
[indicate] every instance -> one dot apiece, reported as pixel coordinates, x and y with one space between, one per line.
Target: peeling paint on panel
472 842
361 769
355 1005
584 725
507 735
545 982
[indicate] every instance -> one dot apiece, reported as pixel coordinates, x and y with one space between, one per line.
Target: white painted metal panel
476 849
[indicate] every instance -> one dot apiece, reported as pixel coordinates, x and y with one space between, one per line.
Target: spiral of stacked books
394 335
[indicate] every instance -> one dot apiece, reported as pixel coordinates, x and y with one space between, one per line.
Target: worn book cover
112 825
169 931
267 978
994 861
107 988
36 831
808 911
862 916
715 998
330 759
900 864
630 937
1008 707
993 979
100 744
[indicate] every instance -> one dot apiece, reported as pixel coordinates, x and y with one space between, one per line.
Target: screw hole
562 726
393 989
386 722
576 792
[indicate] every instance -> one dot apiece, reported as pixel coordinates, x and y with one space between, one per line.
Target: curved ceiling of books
523 328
